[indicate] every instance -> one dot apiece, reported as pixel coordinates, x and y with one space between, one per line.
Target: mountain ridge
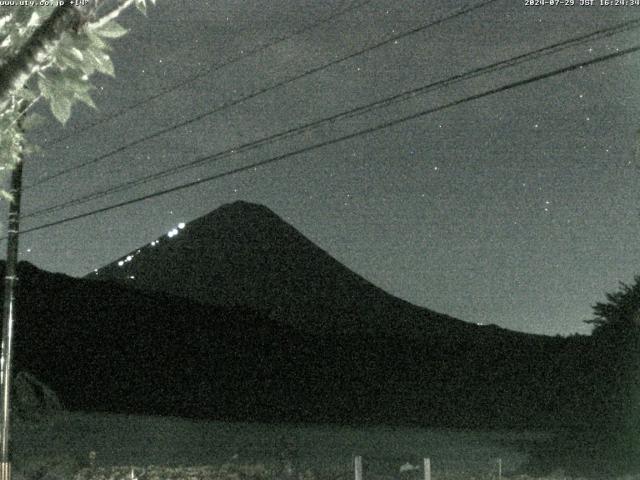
105 346
296 336
244 254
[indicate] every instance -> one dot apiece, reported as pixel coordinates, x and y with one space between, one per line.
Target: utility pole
8 312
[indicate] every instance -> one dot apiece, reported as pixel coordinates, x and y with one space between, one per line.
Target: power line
309 148
214 68
260 92
473 73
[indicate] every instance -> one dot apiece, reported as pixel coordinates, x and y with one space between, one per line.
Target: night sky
519 208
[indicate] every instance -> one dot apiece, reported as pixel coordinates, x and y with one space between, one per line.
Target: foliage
608 444
62 74
621 312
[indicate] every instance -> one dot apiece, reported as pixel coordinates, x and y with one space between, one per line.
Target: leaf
85 98
73 81
73 84
105 65
61 108
142 6
5 19
6 42
77 54
34 21
45 88
6 195
56 84
90 64
32 121
28 94
96 44
65 60
111 29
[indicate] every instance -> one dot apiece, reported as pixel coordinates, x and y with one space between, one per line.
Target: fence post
427 468
499 469
358 467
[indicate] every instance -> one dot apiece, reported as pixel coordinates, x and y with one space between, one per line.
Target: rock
32 399
407 467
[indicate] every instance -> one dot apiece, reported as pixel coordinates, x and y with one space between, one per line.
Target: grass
180 448
122 440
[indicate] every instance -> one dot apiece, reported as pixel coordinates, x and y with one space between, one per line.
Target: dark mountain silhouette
298 337
244 254
239 317
103 346
340 338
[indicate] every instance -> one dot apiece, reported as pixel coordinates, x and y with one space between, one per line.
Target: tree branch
112 15
19 68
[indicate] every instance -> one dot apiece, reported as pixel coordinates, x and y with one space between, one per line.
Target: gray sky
519 209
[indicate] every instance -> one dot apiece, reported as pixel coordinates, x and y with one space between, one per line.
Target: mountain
244 254
238 316
105 346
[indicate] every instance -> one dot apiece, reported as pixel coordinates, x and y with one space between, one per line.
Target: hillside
244 254
108 347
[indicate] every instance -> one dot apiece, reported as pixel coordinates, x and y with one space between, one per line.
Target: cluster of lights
128 259
172 233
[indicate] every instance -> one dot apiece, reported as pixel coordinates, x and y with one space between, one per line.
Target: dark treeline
608 441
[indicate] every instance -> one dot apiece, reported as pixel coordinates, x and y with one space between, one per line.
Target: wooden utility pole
8 313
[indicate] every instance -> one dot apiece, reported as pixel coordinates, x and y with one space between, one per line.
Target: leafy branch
50 53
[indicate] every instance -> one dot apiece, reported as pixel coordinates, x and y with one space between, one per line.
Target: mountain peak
243 205
241 212
242 253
